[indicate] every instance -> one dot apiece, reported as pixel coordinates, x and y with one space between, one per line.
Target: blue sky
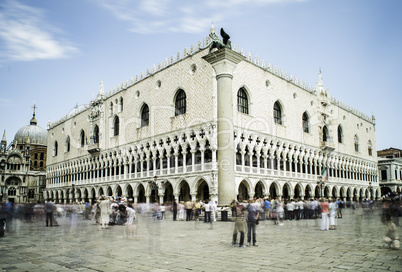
56 52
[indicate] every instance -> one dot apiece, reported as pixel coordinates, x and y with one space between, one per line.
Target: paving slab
194 246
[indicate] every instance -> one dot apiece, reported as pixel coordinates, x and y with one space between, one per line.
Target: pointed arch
325 134
340 134
144 115
82 138
306 122
278 113
95 136
242 101
180 104
116 126
67 147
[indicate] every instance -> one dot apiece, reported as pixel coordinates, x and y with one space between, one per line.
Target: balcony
94 148
328 146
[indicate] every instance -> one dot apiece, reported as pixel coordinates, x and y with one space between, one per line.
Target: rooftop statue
216 42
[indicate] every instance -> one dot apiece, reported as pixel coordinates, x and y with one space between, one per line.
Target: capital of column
224 61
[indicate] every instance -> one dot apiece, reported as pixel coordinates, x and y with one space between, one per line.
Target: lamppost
370 188
153 184
320 183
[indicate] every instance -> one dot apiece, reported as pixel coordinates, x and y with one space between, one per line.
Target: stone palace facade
217 125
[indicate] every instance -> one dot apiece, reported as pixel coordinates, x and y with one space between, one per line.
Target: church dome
36 134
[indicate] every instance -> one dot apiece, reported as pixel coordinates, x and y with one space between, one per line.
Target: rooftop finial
33 120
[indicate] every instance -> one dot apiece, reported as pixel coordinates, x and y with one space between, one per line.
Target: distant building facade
23 165
173 122
390 170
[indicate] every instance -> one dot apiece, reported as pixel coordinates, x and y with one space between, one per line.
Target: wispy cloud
25 36
6 102
162 16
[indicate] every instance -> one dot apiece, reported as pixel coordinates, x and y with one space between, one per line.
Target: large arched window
96 135
180 103
55 148
325 135
116 125
370 148
277 113
340 134
356 142
82 138
305 122
144 116
68 144
242 101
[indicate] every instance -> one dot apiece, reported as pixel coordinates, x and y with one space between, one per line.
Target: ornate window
180 103
68 144
370 148
82 138
277 113
340 134
55 148
356 141
96 135
325 134
144 116
111 109
242 101
116 125
305 122
12 191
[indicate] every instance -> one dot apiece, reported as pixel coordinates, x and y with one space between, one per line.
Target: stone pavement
195 246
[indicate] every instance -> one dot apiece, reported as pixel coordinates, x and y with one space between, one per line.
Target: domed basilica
23 164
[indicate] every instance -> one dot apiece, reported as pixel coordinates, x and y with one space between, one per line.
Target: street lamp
320 183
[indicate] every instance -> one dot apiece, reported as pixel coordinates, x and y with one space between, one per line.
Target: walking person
49 209
252 218
324 215
332 214
239 224
207 209
175 210
105 208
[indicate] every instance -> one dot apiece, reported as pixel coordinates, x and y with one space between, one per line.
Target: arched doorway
168 197
93 196
385 191
334 193
109 191
349 195
342 193
326 192
130 194
85 195
118 191
308 192
259 190
243 191
203 190
298 192
286 191
141 194
317 192
184 191
273 191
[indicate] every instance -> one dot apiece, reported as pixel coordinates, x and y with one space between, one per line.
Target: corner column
224 62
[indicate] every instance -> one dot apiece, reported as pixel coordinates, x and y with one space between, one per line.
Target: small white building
218 125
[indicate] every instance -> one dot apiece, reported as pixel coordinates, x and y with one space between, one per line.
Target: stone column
224 62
